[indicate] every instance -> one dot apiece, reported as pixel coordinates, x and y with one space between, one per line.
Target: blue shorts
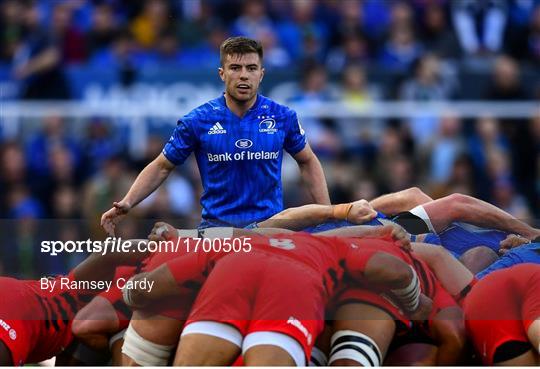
529 253
460 237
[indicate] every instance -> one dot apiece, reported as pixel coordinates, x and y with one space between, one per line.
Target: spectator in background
100 143
533 37
355 89
194 27
166 53
444 148
350 21
154 19
390 149
110 183
357 134
461 180
120 57
486 139
253 21
314 91
506 83
437 35
53 134
275 56
401 47
302 35
428 84
353 50
506 198
103 29
11 28
70 40
24 234
14 172
206 54
489 16
37 64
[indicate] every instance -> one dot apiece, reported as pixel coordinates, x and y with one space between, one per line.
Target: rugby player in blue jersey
238 141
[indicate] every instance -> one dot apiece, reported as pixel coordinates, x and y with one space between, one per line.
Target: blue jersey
239 159
461 237
524 254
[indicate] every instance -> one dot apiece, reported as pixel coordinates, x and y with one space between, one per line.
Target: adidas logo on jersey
217 129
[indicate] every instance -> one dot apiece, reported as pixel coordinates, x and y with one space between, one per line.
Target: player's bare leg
412 354
463 208
95 322
448 330
268 355
371 322
397 202
205 350
116 352
478 258
534 337
150 337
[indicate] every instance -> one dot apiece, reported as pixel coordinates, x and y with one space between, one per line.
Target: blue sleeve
182 142
295 141
505 261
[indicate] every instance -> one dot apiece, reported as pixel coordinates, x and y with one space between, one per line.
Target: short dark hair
239 46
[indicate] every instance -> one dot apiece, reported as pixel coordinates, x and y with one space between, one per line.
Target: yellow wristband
341 211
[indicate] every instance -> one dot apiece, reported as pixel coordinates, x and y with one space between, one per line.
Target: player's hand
111 217
361 212
512 241
398 234
161 232
424 309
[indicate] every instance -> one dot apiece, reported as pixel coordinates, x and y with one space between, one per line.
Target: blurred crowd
56 184
38 38
57 178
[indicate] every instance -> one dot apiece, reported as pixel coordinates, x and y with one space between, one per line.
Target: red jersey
39 320
501 307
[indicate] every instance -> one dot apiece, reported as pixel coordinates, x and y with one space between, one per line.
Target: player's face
242 75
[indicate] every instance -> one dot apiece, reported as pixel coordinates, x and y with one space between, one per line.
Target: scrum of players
400 280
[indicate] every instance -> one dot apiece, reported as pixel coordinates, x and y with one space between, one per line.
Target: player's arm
150 178
395 231
453 275
102 266
398 202
389 272
312 175
448 331
310 215
165 283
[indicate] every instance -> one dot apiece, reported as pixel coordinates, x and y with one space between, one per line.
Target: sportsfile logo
11 332
296 323
217 129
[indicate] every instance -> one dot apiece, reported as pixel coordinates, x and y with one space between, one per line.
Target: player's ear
221 73
262 74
